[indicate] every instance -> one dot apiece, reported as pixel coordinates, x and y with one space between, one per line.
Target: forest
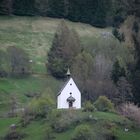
99 13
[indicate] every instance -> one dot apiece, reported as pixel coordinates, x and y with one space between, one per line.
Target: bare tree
125 91
102 67
13 106
19 61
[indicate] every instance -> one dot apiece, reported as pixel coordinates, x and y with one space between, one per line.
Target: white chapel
69 96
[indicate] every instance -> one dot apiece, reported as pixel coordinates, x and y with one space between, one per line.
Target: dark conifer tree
24 7
136 71
65 46
117 72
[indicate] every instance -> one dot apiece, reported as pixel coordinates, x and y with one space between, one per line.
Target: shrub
118 35
49 133
42 105
115 32
26 117
110 137
89 107
83 132
109 132
131 111
19 64
14 134
104 104
39 107
135 27
61 120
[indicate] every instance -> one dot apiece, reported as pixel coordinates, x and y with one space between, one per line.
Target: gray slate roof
63 87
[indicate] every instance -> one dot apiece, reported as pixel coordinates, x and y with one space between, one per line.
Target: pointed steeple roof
63 87
68 72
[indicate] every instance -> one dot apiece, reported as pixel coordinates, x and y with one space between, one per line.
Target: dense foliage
96 12
135 71
89 107
104 104
83 132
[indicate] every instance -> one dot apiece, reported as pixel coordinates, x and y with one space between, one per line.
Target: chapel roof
63 87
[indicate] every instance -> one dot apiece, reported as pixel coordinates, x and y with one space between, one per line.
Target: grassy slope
5 123
36 130
20 87
35 35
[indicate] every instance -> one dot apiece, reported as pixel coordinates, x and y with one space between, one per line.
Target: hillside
101 122
35 35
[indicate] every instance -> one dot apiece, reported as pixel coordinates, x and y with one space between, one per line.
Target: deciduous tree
19 61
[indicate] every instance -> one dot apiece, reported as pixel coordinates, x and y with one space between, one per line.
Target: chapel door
70 104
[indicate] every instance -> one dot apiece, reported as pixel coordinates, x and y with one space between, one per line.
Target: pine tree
136 72
117 72
24 7
65 46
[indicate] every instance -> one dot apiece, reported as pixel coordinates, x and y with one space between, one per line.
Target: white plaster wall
62 98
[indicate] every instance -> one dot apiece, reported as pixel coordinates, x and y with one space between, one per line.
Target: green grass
36 130
103 117
65 135
130 135
30 84
21 87
109 116
5 124
35 35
